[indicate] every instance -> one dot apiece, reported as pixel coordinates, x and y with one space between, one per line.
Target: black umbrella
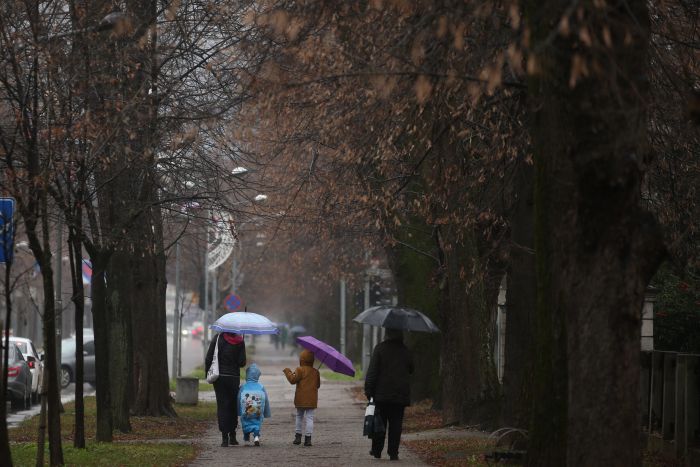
396 317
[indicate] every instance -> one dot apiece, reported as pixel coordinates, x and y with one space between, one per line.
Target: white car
36 366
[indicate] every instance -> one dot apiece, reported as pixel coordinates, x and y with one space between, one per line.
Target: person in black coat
231 359
388 383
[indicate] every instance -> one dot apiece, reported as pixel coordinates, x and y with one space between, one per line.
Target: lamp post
210 308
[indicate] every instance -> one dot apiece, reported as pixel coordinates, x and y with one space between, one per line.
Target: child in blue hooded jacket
253 404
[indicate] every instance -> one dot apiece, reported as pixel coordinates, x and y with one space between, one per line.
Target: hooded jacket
253 403
307 379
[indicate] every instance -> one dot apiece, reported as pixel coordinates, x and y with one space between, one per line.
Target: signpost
232 302
7 210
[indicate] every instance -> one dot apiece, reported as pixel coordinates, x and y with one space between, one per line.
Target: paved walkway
337 439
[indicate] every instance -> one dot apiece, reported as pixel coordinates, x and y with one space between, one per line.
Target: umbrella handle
319 367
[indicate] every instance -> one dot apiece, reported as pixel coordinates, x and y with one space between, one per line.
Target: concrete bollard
186 390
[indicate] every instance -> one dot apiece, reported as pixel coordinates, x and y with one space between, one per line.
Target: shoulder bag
213 373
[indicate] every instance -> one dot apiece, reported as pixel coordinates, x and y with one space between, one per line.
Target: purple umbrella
327 355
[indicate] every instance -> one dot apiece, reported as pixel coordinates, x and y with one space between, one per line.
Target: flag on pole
87 272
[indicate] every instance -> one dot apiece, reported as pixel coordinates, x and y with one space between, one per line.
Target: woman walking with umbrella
225 358
388 383
231 358
390 369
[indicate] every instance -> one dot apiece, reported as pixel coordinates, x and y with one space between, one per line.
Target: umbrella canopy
298 329
242 322
327 355
395 317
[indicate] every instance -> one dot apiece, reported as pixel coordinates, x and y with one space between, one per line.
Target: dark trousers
226 389
392 415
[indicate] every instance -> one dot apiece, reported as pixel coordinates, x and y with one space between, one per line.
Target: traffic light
375 294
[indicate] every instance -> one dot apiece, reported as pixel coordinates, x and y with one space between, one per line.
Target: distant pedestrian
231 358
283 335
307 380
387 382
253 405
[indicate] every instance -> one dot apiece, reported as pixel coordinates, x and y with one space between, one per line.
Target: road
192 353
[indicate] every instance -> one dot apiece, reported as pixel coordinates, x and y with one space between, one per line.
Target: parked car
68 360
36 366
19 379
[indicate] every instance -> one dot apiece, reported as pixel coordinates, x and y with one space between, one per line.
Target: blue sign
7 234
232 302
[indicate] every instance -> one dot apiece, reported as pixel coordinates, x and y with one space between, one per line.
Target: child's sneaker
257 440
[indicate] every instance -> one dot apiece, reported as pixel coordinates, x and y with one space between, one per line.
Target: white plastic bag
213 373
368 428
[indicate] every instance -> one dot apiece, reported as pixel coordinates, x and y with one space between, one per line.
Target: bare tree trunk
520 305
76 258
596 248
119 306
152 394
101 330
5 453
470 389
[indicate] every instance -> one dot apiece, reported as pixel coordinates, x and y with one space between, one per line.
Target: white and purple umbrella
327 355
243 322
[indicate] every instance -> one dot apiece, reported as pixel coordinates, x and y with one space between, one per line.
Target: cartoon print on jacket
252 406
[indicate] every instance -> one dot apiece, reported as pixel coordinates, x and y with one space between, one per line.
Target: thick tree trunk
101 330
470 388
596 248
520 305
152 393
150 355
119 306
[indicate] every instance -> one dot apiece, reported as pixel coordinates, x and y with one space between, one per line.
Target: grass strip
333 376
136 454
192 421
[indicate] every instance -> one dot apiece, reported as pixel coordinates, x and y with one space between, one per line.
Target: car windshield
22 346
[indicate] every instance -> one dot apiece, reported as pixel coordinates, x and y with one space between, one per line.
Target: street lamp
239 171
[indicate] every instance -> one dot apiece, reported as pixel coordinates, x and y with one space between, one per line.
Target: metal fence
671 402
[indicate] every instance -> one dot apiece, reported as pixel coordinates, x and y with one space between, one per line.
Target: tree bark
470 388
102 348
596 248
76 257
120 300
5 453
520 305
151 384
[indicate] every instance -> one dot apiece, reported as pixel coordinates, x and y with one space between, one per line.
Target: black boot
297 438
232 439
224 440
307 440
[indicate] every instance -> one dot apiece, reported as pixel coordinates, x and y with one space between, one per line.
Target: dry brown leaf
423 88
